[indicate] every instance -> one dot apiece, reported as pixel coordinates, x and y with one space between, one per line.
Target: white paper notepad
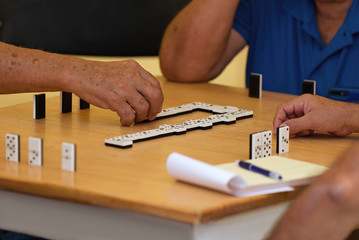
232 179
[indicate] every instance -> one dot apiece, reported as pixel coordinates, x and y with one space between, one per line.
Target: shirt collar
304 11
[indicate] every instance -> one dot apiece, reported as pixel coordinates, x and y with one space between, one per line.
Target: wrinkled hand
122 86
308 113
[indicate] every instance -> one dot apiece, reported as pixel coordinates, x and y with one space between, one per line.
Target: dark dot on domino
282 150
10 154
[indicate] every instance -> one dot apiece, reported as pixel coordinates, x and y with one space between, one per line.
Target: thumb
297 125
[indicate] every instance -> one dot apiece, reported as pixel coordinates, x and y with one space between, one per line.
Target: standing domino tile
39 106
260 145
255 85
267 143
65 102
255 148
309 86
12 147
68 157
283 139
83 104
35 151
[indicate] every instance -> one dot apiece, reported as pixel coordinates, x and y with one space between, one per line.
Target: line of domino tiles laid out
222 115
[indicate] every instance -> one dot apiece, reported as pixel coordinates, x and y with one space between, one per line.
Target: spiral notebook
231 179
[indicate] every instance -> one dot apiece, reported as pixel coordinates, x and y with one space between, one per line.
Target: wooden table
127 193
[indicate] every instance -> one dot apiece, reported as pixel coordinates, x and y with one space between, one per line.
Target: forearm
353 120
29 70
196 39
122 86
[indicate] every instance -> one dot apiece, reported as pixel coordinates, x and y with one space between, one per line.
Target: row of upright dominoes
261 143
127 140
39 106
36 152
255 86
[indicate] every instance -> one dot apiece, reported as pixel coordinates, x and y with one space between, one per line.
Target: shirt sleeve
243 19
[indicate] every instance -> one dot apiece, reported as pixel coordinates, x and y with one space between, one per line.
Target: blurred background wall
97 30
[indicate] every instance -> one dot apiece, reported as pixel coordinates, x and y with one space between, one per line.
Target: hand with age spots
121 86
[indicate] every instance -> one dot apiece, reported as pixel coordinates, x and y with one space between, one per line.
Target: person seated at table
289 41
121 86
308 113
328 208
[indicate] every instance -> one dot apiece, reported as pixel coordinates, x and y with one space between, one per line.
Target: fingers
285 112
302 126
279 118
123 86
140 94
296 115
126 114
139 105
152 93
134 107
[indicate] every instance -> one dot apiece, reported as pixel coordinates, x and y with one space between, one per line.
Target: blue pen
251 167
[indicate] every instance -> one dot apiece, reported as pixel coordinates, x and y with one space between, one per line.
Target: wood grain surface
136 179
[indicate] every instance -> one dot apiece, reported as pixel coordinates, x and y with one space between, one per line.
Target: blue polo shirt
285 46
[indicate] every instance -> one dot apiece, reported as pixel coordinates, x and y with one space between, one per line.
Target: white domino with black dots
260 144
12 142
267 143
283 139
68 157
256 142
35 151
223 115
